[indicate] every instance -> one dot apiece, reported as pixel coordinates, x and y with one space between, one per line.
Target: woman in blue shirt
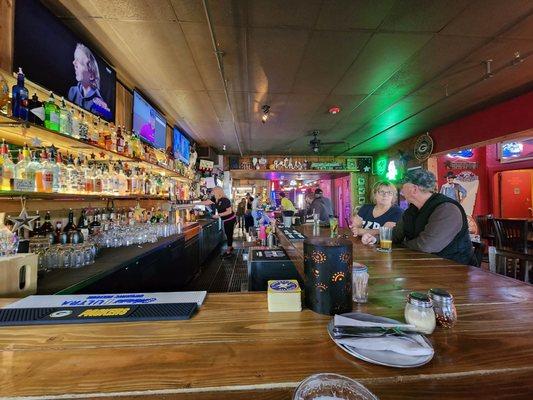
384 211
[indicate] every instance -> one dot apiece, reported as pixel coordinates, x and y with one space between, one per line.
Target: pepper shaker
444 307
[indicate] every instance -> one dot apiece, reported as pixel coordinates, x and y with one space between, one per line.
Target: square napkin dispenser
284 295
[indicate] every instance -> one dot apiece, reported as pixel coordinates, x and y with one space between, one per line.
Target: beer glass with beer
385 239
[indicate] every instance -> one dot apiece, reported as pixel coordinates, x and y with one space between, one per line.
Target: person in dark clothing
384 211
226 214
433 223
241 209
322 206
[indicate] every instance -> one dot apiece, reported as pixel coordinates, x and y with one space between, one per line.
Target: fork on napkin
406 344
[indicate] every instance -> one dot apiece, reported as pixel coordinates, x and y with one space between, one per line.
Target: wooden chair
486 228
479 250
513 256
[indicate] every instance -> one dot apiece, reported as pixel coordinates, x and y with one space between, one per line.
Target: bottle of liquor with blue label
20 98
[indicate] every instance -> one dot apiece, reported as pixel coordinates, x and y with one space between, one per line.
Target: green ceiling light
392 171
381 166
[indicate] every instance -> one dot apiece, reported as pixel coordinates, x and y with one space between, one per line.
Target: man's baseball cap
318 191
420 177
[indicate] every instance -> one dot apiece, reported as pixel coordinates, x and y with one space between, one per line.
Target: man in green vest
433 223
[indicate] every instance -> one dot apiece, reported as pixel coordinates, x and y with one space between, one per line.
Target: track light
266 110
488 70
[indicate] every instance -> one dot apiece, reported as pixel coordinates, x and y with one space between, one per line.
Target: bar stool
513 255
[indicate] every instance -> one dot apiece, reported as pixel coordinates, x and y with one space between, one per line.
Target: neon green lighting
392 171
381 166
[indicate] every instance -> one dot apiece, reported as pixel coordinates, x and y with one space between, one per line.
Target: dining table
234 348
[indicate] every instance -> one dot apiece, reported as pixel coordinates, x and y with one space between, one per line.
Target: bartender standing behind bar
226 214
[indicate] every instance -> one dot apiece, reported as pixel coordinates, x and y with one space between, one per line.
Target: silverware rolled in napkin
354 331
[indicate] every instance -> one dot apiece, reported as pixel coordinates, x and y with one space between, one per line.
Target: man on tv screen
86 93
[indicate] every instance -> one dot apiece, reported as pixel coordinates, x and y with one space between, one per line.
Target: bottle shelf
16 195
19 132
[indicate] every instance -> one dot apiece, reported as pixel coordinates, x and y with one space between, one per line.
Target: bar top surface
235 349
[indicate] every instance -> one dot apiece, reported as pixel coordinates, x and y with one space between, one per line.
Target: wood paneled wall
7 12
124 106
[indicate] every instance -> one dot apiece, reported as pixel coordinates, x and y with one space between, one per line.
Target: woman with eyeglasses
384 211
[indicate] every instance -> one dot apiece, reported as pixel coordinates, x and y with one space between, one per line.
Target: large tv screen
51 55
148 123
181 146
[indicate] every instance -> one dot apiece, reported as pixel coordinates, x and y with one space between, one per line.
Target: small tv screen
51 55
148 123
181 146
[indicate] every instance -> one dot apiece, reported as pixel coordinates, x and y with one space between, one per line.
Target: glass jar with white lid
419 312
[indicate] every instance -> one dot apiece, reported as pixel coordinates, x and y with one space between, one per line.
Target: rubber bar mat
77 315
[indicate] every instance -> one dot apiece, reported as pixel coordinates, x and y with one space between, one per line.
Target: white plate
387 358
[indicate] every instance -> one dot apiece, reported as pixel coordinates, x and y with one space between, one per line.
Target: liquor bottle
132 182
33 167
46 228
35 113
21 168
122 180
36 226
63 174
107 138
38 174
95 226
89 177
127 142
94 134
135 145
20 98
51 114
44 175
56 170
83 224
8 168
75 123
80 175
72 175
65 119
83 128
97 180
58 233
70 226
120 141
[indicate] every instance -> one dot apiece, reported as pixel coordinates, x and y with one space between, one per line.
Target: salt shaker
444 307
359 283
419 312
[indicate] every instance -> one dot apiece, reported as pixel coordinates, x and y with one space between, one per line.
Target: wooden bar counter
235 349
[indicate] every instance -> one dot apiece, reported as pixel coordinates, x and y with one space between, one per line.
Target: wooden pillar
7 13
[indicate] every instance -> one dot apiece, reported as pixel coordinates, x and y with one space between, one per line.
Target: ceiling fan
315 143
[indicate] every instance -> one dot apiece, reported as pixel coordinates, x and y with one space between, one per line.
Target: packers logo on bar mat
76 315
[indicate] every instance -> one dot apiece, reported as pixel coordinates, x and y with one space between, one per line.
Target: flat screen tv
181 146
51 55
148 123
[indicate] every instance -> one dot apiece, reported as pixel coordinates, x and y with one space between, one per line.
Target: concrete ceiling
396 67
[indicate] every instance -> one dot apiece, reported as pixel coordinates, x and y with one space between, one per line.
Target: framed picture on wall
516 150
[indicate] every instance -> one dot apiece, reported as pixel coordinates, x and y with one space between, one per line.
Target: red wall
488 165
515 115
